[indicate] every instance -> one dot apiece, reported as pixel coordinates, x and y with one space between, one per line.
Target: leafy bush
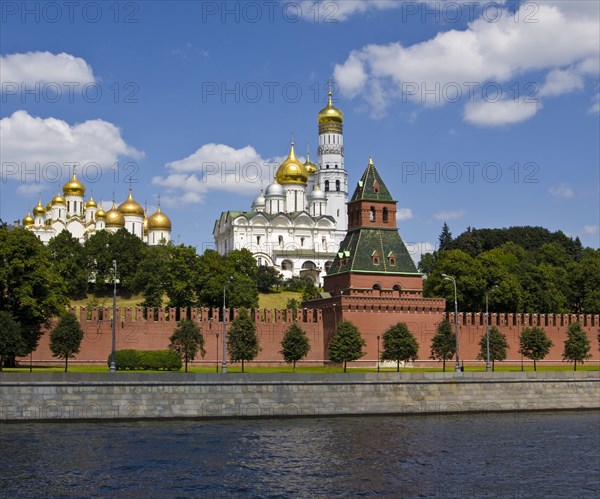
146 360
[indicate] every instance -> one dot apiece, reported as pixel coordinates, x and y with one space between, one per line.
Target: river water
518 455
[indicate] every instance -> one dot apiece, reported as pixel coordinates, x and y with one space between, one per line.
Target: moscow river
517 455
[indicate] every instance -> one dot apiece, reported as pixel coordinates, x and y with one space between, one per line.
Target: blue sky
476 114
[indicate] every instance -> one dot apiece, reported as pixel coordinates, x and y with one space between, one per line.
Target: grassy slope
270 300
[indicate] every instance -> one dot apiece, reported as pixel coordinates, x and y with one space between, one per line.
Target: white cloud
341 10
502 112
44 67
595 107
561 81
403 214
461 62
562 191
418 249
449 215
26 140
590 229
216 167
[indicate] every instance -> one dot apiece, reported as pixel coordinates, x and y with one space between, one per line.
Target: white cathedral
82 219
299 221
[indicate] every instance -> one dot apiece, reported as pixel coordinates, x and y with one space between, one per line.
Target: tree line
529 269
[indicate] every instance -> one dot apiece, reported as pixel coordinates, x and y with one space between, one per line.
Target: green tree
267 278
69 262
347 344
577 345
187 341
310 292
427 263
292 304
151 275
445 238
11 342
242 341
29 290
181 272
66 338
534 344
399 344
498 346
443 343
294 345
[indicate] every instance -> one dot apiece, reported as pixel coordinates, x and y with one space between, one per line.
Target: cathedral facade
297 224
82 218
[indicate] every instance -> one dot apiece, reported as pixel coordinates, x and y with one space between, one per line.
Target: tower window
384 215
258 240
336 166
327 167
301 241
327 183
280 240
372 214
337 184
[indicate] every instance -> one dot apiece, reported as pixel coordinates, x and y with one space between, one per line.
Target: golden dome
91 203
74 187
39 210
131 207
28 220
100 213
291 171
159 221
311 168
49 206
58 199
114 218
330 113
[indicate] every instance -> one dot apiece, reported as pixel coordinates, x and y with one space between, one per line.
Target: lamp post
224 345
453 280
488 366
378 353
113 365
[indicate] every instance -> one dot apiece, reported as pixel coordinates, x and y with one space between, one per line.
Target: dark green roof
371 187
360 246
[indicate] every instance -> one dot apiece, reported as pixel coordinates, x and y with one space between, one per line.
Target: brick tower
372 260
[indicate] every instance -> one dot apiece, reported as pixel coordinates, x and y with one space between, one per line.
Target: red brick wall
372 317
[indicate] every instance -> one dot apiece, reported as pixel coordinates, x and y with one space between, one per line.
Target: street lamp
224 345
378 353
488 366
450 278
113 364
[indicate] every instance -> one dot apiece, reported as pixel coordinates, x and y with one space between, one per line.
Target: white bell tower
333 177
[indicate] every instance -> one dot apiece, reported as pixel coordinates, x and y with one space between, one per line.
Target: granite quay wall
76 396
151 329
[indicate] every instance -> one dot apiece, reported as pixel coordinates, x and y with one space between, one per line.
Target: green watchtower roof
371 186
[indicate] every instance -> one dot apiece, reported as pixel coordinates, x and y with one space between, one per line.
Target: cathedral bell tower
333 177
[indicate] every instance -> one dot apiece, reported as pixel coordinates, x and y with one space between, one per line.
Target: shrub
146 360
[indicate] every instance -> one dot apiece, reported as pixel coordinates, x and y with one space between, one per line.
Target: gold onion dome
100 213
131 207
39 210
49 206
74 187
291 171
159 221
114 218
330 113
58 199
28 220
311 168
91 203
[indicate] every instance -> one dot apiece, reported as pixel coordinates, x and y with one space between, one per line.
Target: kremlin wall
372 319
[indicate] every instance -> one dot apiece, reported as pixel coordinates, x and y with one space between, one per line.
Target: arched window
327 183
280 240
337 184
287 265
384 215
372 214
327 167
